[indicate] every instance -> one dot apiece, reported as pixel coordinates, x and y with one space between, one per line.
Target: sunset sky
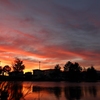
50 31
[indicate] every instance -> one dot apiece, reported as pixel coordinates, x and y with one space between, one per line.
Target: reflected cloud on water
70 92
19 91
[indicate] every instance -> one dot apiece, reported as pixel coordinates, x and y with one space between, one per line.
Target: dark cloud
52 30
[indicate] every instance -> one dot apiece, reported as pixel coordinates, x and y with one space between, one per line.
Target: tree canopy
69 66
18 65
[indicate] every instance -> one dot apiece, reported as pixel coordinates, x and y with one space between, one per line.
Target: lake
49 91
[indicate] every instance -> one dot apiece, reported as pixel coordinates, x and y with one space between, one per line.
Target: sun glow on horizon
52 32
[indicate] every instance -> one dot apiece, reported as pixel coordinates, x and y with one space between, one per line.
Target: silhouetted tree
57 72
57 67
72 72
18 65
1 69
68 66
77 67
6 69
91 74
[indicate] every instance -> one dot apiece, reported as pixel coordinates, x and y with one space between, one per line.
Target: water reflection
19 91
11 91
70 92
16 91
4 90
93 91
57 92
51 90
73 93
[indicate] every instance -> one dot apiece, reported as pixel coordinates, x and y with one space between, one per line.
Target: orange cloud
50 32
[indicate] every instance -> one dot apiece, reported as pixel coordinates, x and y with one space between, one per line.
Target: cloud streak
52 31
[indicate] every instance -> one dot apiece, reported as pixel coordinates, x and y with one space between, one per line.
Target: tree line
72 72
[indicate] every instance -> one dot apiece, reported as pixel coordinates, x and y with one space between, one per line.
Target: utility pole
39 65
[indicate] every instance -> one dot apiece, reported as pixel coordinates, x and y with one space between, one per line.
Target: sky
50 31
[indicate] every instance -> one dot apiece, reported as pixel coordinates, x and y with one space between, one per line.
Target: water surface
50 91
